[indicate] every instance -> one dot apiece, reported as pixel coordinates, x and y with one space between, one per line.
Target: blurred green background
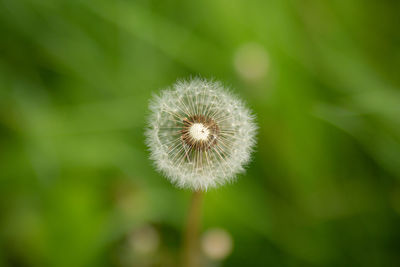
77 187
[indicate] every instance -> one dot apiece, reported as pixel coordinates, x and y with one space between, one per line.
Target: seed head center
199 132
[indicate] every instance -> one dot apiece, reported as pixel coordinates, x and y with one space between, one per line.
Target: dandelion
200 135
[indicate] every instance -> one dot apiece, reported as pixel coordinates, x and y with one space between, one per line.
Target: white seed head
199 135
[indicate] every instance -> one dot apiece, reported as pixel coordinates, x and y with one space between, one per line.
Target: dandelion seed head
199 134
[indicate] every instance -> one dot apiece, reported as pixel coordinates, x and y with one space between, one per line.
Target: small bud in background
216 244
251 62
144 240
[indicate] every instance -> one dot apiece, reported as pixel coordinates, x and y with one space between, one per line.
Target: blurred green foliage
321 76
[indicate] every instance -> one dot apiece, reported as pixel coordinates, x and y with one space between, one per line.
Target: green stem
191 250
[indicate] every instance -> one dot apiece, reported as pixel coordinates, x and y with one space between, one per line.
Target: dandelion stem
191 253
